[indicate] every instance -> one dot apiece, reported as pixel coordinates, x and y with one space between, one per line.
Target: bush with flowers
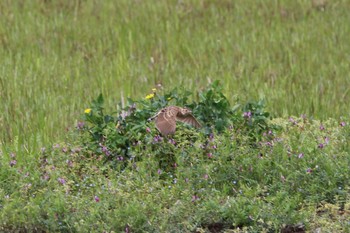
244 171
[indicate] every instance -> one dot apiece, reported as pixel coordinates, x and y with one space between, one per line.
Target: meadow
283 168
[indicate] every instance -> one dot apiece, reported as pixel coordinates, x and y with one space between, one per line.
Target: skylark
166 119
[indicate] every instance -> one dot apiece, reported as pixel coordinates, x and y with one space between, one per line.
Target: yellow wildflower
169 98
150 96
88 110
154 89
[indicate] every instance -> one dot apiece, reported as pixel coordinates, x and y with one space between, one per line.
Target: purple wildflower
194 198
269 144
326 140
342 124
247 114
148 130
186 180
301 155
321 127
210 155
291 119
69 163
157 139
159 171
214 147
206 176
105 150
80 125
56 146
12 155
309 170
64 149
96 198
61 180
13 163
211 137
172 141
321 145
46 176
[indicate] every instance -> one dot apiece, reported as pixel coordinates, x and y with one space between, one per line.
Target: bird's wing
189 119
166 123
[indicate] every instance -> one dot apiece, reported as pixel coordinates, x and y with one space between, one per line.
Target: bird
166 119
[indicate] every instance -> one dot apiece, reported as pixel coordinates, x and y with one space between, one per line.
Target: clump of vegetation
244 171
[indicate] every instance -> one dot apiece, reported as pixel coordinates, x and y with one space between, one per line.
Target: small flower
321 127
61 180
64 149
194 198
43 149
211 137
12 155
326 140
157 139
96 198
186 180
210 155
247 114
148 130
13 163
150 96
159 171
46 176
120 158
206 176
342 124
154 90
321 145
169 98
105 150
69 163
291 119
301 155
80 125
172 141
309 170
87 111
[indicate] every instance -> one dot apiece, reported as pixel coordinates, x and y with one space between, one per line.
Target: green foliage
113 134
214 109
239 173
193 182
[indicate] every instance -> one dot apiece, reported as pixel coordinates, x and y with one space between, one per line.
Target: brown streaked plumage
167 117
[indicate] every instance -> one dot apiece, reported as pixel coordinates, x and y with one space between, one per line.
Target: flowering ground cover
273 152
247 173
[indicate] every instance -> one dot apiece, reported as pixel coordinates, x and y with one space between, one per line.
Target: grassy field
56 56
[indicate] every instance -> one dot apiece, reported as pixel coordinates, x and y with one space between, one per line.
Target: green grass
56 56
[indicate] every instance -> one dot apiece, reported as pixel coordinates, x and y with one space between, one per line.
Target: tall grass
57 55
